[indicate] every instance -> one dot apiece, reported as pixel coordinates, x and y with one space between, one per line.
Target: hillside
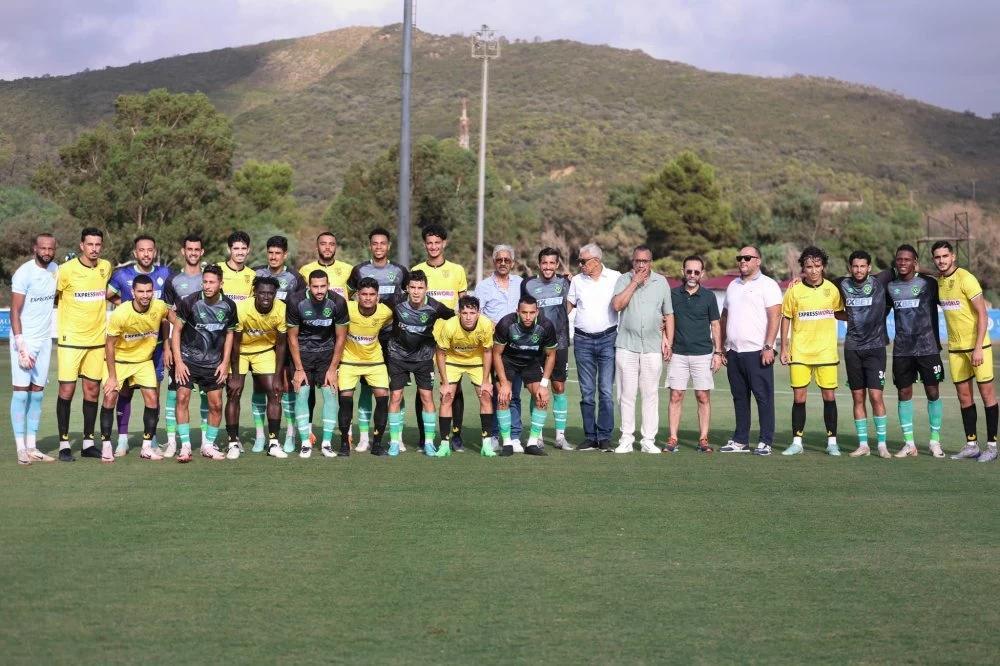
324 101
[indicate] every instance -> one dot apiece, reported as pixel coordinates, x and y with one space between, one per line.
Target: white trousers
637 372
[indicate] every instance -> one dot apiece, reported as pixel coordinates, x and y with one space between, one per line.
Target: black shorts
199 375
561 366
865 368
399 374
530 374
905 370
316 365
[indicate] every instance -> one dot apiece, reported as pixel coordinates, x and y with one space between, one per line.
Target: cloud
940 53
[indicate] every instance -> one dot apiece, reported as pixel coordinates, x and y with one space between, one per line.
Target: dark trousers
748 375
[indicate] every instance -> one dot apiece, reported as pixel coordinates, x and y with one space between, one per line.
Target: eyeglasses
745 257
583 262
503 260
642 262
692 272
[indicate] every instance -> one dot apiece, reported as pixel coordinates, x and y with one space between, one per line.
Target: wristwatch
768 348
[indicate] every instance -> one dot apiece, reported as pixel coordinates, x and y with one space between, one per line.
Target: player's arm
718 353
667 343
723 318
280 347
24 357
978 304
442 368
222 372
786 356
168 348
180 368
503 388
340 333
234 361
487 385
111 385
773 321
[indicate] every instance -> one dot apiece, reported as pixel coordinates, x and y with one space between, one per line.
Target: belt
594 336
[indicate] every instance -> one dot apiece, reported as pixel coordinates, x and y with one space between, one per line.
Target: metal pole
481 207
403 221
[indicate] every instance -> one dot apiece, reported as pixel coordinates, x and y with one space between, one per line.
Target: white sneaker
107 453
234 451
649 448
362 444
624 447
37 456
22 458
327 451
561 443
516 445
274 450
149 453
907 451
306 451
212 453
402 447
121 450
171 450
883 452
861 452
935 449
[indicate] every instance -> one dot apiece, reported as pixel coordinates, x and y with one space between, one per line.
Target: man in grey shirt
645 331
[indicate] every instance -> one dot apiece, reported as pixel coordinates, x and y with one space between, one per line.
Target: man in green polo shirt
645 329
697 351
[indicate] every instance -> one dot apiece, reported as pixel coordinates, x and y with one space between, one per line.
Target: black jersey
391 279
524 346
915 310
866 308
205 328
412 336
316 321
180 285
551 297
289 282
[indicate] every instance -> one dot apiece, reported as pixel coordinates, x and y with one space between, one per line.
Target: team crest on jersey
327 312
445 273
283 284
424 318
916 291
867 289
159 281
535 338
220 315
390 276
559 288
951 283
826 292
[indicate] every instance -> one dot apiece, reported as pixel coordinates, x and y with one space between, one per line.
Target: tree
162 167
23 215
683 210
795 214
265 185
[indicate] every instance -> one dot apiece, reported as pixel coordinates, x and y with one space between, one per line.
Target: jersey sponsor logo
89 296
363 339
550 302
320 322
139 336
41 299
951 304
238 297
387 289
211 327
859 302
441 294
338 290
412 328
255 333
813 315
907 304
466 350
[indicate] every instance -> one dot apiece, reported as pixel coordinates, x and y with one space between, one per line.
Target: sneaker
429 449
762 449
989 455
704 446
345 450
363 443
22 458
861 452
832 450
402 448
624 447
935 449
107 453
394 449
588 445
171 450
649 448
149 453
883 452
259 445
306 451
66 455
562 444
212 453
35 455
506 451
457 445
535 450
495 444
289 446
121 450
91 452
275 451
487 451
444 449
671 446
185 455
605 445
234 451
793 450
735 447
970 450
907 451
328 452
377 450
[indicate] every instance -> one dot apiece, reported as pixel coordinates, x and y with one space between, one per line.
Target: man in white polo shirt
751 315
594 336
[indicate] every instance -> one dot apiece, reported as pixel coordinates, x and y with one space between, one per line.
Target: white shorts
38 375
698 369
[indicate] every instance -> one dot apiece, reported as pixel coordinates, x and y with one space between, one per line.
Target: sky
943 53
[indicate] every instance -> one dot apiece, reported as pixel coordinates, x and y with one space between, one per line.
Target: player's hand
221 373
298 379
795 280
110 386
447 391
766 357
786 358
25 360
717 362
331 379
640 275
487 388
181 374
977 357
667 350
542 397
278 384
503 395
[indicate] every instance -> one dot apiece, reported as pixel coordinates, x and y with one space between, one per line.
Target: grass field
574 558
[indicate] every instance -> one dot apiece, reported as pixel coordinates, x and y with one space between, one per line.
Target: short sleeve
292 313
115 323
501 332
63 279
971 287
668 303
353 279
461 283
19 281
571 294
551 340
443 311
442 338
713 309
169 293
622 283
772 294
183 310
233 321
788 304
116 283
343 317
838 303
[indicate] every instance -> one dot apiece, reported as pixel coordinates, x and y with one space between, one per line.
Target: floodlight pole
485 45
403 220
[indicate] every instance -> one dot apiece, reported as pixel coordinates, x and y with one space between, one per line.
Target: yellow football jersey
137 332
337 273
83 305
955 294
445 282
237 285
362 345
260 331
814 327
464 347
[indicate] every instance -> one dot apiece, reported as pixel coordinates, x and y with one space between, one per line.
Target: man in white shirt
595 332
751 314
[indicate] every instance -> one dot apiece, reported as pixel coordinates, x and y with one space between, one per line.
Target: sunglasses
504 260
692 272
745 257
583 262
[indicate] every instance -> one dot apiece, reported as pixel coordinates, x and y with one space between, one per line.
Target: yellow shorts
77 363
800 375
348 376
139 375
962 368
456 372
263 363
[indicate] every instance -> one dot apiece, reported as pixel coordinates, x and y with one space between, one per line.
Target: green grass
575 558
